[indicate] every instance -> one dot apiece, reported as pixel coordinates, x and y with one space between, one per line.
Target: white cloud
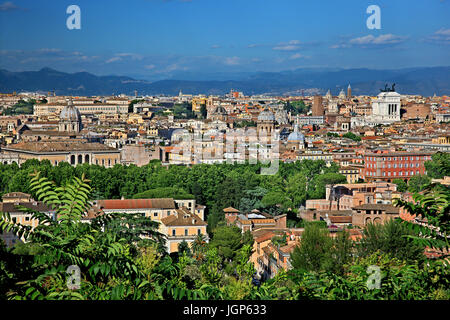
292 45
232 61
297 56
113 59
445 32
380 40
48 50
371 41
133 56
8 6
442 36
287 47
256 45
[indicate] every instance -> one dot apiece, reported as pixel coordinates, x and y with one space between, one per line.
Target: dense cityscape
240 185
224 159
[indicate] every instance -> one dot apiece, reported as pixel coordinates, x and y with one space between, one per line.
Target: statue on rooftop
386 89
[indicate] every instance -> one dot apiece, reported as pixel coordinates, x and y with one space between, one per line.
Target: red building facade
387 166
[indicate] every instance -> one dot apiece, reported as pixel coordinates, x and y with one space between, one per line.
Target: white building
385 110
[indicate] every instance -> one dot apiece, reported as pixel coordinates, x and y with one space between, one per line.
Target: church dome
220 111
281 116
266 115
70 113
296 136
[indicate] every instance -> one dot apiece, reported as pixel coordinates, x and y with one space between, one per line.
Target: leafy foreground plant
432 212
115 264
106 259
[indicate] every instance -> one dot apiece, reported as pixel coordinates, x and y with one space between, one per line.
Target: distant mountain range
425 81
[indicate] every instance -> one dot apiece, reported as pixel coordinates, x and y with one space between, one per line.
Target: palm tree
199 247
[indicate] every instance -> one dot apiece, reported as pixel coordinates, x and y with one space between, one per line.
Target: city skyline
156 39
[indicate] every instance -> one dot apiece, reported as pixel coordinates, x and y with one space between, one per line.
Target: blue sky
157 39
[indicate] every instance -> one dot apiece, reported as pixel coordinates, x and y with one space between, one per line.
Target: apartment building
387 166
179 220
11 205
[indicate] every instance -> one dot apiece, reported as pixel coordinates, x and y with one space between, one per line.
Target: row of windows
186 231
401 173
86 160
155 214
424 158
395 165
316 158
27 218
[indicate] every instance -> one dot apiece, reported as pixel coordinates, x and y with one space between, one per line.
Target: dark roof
58 146
340 219
11 207
48 133
378 206
183 218
163 203
15 195
166 133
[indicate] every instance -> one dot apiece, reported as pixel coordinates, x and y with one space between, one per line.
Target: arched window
86 158
80 158
72 159
367 221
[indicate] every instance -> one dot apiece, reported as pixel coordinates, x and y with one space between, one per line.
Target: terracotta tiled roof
340 219
58 146
35 205
289 247
257 221
268 250
164 203
93 212
378 206
231 210
47 133
183 218
15 195
266 236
